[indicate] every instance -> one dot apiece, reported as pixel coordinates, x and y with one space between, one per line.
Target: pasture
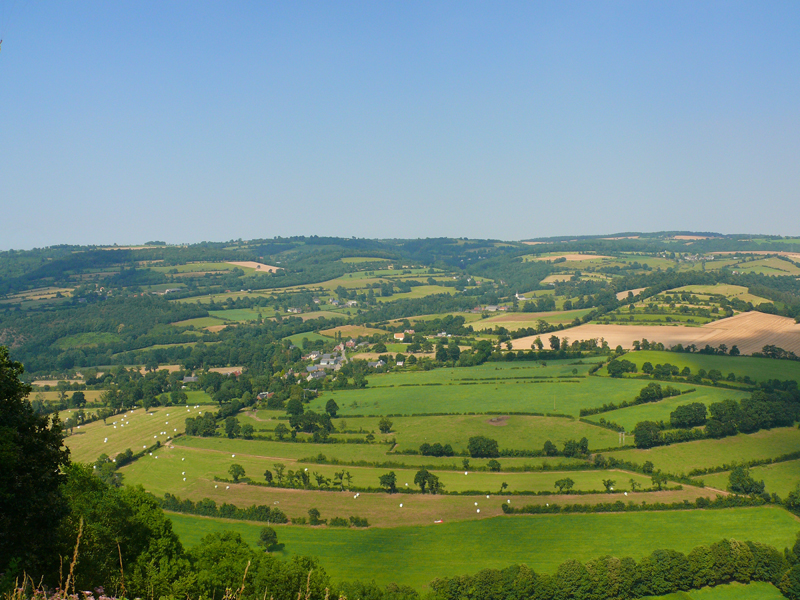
779 478
758 590
660 411
517 432
758 369
542 541
345 453
682 458
134 429
166 469
562 396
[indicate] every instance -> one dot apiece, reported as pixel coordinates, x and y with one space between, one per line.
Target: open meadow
703 454
758 590
779 478
660 411
542 542
758 369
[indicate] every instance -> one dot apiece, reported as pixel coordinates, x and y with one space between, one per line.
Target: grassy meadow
682 458
779 478
758 369
660 411
542 542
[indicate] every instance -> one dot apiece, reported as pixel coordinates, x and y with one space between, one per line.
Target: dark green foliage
482 447
686 416
385 425
619 366
209 508
331 407
435 449
389 482
236 471
267 538
741 482
648 434
31 458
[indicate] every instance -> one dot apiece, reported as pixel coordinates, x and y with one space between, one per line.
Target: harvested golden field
249 264
623 295
749 331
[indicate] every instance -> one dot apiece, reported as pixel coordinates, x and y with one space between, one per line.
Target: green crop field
542 542
660 411
564 396
758 369
202 322
779 478
682 458
732 591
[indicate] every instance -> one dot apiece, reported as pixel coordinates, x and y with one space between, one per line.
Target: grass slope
758 369
542 542
681 458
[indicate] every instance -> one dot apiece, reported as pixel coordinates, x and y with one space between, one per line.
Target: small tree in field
389 481
564 485
236 471
267 538
385 425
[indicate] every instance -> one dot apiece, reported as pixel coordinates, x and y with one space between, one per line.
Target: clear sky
128 121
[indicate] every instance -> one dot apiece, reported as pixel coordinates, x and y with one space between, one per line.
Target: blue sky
187 121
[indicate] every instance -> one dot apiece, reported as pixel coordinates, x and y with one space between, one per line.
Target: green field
202 322
660 411
297 338
516 432
779 478
363 259
758 369
344 453
420 393
134 429
164 472
732 591
681 458
542 542
518 320
85 340
242 314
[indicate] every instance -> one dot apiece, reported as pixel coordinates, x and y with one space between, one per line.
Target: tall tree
32 455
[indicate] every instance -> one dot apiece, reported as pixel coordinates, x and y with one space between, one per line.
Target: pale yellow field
749 331
249 264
